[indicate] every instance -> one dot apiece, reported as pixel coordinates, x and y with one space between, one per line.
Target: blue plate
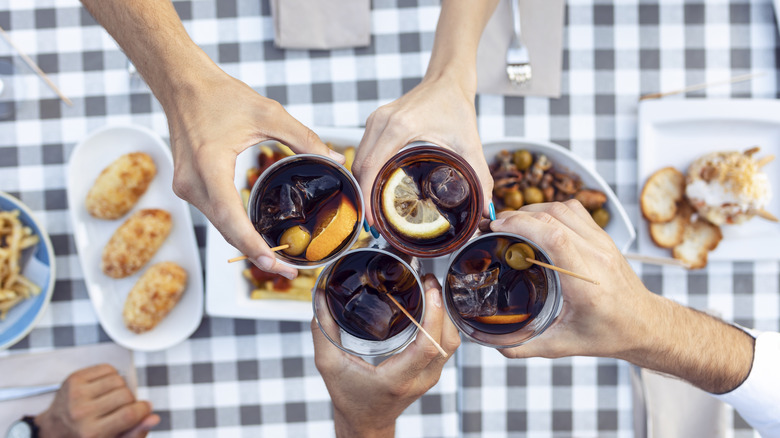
21 319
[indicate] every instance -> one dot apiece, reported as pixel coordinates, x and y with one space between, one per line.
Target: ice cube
316 189
446 186
345 283
370 314
279 204
474 260
387 274
475 294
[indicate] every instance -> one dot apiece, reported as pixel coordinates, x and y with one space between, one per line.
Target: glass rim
280 256
409 247
558 299
415 330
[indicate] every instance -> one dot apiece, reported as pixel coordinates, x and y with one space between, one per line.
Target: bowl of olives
528 172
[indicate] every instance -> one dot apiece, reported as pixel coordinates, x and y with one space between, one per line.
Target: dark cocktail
497 298
353 307
427 201
310 203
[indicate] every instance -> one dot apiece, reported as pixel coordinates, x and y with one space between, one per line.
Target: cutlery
518 63
16 392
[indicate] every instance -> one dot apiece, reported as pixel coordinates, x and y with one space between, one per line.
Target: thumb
302 140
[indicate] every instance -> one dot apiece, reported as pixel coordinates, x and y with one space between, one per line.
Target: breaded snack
670 234
120 185
699 238
153 296
728 187
135 242
661 193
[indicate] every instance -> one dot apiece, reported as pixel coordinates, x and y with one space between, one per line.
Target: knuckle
182 187
430 352
557 238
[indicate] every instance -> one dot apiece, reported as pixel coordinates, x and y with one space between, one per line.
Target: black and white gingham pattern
238 377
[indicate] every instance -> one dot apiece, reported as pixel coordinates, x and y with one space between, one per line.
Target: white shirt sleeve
757 399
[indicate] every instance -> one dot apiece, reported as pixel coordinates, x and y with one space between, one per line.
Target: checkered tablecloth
257 378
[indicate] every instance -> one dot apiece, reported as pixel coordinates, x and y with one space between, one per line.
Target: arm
441 108
96 401
212 117
620 318
367 399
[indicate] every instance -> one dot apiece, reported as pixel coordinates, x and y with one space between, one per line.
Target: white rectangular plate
107 294
675 132
227 291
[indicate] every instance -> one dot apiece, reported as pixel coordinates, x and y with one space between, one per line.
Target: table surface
246 377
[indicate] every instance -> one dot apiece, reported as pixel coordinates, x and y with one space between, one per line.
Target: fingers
326 355
142 428
104 384
299 138
570 213
547 231
476 159
225 210
94 372
125 418
113 400
373 152
408 364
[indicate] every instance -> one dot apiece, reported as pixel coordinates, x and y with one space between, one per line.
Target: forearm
345 429
458 32
694 346
153 37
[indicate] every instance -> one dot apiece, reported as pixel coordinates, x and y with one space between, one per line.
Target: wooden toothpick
243 257
411 318
561 270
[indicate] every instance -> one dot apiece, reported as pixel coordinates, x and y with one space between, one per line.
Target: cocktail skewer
696 87
655 260
561 270
411 318
35 68
767 215
243 257
761 162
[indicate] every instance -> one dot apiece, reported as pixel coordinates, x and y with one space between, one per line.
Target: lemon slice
407 213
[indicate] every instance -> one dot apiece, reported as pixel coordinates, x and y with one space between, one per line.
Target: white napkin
321 24
667 407
542 32
53 367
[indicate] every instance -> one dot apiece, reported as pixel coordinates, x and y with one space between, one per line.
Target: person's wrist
43 422
373 427
186 79
642 337
455 72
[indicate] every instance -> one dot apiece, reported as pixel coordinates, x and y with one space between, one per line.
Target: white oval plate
107 294
619 228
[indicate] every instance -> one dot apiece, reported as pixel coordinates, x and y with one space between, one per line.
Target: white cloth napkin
667 407
53 367
542 32
321 24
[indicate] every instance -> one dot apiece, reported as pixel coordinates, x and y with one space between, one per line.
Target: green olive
298 239
533 195
513 199
516 255
523 159
601 217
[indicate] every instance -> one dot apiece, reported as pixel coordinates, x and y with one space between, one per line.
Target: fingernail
365 226
288 275
497 223
436 299
265 263
337 156
374 233
492 209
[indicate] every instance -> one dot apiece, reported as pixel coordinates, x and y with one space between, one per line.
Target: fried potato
135 242
153 296
120 185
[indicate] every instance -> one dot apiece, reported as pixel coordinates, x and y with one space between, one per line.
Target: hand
210 125
595 320
96 402
367 399
439 111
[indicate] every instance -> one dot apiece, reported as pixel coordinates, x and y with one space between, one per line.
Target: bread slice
699 238
670 234
661 193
